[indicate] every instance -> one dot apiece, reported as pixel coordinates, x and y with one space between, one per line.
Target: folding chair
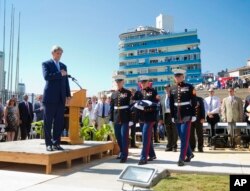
2 132
207 133
221 138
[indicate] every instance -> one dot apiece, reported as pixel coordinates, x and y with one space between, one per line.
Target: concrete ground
102 174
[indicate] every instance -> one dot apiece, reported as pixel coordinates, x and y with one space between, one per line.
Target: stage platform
33 151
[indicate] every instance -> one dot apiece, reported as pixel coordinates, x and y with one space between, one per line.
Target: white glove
173 120
193 119
130 123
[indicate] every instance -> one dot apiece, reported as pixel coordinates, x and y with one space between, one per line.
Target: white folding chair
2 132
32 132
207 133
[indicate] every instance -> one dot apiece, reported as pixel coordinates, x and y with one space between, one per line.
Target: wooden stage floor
33 151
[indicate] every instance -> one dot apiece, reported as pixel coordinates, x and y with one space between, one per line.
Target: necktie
58 66
27 105
211 104
167 102
103 110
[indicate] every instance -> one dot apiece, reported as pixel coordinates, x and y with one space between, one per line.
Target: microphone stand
76 82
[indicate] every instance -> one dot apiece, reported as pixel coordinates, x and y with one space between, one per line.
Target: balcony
168 42
162 54
159 36
159 64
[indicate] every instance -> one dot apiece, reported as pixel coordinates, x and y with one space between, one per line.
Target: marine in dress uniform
197 126
147 117
120 115
182 107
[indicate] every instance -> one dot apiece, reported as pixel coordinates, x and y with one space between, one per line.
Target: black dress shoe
151 158
57 147
49 148
188 159
168 149
118 157
180 163
142 162
175 149
123 160
134 146
200 150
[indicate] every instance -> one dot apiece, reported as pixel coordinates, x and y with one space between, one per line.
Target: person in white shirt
101 112
89 112
213 109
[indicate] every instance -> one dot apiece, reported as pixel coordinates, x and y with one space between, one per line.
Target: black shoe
180 163
57 148
118 157
49 148
123 160
201 150
151 158
188 159
175 149
134 146
142 162
168 149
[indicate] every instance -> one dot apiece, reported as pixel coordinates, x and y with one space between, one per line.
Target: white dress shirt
214 106
98 110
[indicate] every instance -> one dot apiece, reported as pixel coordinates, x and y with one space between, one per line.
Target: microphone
69 76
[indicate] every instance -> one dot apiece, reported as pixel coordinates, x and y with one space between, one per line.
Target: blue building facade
153 52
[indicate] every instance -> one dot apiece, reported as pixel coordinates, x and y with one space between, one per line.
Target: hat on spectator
166 85
178 71
119 77
143 78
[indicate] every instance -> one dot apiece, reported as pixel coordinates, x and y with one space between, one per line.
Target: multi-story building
155 51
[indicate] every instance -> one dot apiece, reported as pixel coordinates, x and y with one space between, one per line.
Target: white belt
121 107
182 103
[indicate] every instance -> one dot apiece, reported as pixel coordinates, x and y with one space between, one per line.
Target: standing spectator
11 116
120 115
197 126
232 112
147 118
26 117
165 118
38 108
247 103
94 101
1 111
101 112
213 109
182 108
89 112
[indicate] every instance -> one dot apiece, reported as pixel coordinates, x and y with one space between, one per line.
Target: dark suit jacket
57 86
25 115
38 112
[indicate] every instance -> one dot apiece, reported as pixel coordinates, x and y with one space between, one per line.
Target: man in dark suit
26 116
38 108
166 118
56 94
197 125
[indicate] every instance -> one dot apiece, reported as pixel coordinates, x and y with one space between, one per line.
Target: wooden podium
77 101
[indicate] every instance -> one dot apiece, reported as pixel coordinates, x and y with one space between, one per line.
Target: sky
88 31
